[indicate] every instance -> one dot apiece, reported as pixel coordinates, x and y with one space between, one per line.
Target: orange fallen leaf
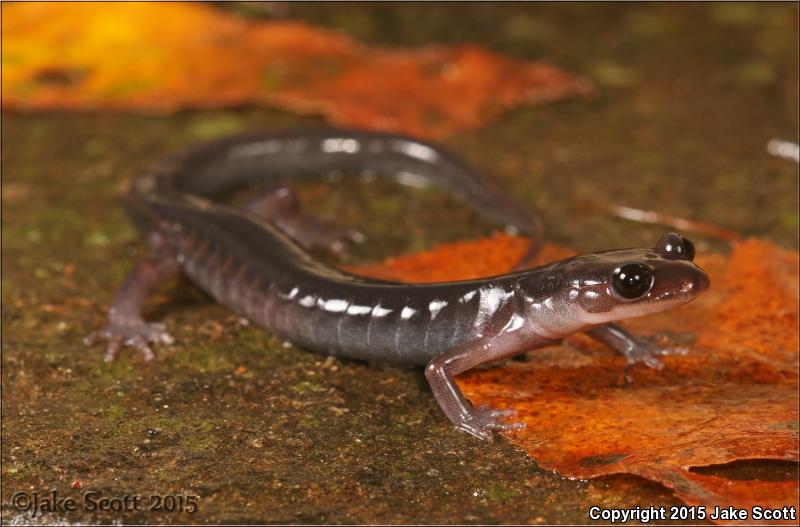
165 56
460 260
732 396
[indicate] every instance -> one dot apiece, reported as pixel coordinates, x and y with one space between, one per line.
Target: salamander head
615 285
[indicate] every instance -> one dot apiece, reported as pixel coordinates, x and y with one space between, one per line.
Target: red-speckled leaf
732 396
164 57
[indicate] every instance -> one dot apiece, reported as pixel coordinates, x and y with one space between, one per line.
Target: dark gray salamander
246 260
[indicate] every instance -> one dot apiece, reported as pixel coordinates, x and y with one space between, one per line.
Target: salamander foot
136 334
633 347
484 419
647 351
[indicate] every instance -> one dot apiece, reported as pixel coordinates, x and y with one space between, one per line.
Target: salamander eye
675 246
688 248
631 281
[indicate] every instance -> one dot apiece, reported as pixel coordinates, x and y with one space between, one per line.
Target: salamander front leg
280 206
633 348
126 327
440 371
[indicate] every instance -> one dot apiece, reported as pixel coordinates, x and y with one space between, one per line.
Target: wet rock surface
261 432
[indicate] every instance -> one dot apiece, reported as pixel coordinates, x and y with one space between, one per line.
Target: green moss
791 221
499 493
757 72
737 14
614 74
204 359
95 238
215 124
114 412
527 28
308 387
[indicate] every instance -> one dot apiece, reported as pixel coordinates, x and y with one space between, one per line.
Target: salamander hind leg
125 326
280 206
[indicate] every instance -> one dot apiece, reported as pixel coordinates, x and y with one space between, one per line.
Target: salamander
255 259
